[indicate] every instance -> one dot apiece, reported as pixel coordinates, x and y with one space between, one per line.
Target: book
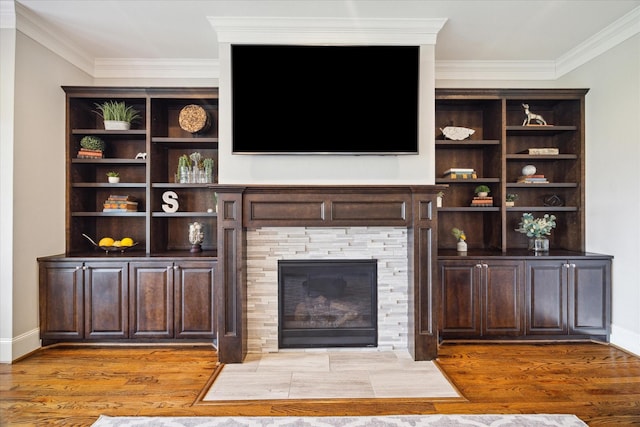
121 197
89 154
459 170
461 175
542 151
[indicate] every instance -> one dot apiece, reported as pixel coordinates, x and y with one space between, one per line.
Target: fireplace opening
327 303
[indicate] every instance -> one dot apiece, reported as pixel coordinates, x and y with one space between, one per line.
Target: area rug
542 420
329 375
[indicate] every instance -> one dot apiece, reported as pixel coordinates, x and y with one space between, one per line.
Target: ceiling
531 31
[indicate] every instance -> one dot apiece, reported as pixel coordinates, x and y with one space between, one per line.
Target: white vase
461 247
116 125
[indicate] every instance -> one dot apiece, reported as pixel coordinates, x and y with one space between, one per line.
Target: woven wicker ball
193 118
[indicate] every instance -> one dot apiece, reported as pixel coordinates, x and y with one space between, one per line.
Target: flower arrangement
536 227
458 234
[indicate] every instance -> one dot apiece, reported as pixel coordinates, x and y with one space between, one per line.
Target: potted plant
510 200
482 190
113 177
117 115
461 246
439 199
537 230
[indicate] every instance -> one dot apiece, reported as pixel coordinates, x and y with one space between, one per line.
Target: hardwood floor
72 386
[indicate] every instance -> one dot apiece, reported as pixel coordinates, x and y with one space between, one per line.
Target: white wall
38 183
613 178
7 76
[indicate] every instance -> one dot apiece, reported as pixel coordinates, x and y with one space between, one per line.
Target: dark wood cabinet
562 295
61 301
194 301
105 298
116 299
570 296
83 301
481 298
172 299
151 299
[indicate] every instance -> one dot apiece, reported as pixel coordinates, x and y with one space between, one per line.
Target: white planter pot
509 204
116 125
113 179
483 194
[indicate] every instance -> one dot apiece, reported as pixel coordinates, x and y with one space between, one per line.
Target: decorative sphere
528 170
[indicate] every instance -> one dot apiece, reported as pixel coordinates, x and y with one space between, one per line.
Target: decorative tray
108 249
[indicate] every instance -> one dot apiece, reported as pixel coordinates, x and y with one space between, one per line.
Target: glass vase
539 244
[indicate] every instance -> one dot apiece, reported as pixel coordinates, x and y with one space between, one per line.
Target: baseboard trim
18 347
625 339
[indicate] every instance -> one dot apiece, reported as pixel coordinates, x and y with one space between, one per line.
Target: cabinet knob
478 265
572 265
175 267
78 268
485 265
85 268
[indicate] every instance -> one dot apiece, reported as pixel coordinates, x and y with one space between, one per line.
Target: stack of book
532 179
542 151
482 201
116 203
460 173
85 153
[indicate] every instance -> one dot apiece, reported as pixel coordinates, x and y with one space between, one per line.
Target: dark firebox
327 303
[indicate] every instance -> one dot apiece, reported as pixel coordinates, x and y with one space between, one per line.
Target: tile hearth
317 374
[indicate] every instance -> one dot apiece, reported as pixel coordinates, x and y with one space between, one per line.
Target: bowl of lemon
109 244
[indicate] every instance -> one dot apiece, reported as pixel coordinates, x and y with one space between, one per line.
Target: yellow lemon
106 241
126 241
117 243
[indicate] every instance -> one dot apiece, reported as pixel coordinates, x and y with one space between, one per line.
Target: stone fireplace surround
246 211
267 245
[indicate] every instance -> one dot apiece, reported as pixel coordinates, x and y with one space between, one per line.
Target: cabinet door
502 298
61 296
106 305
589 297
460 283
194 311
151 299
546 297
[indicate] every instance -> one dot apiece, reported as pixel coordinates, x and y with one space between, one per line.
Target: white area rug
330 375
377 421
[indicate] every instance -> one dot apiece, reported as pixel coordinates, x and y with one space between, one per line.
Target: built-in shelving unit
497 151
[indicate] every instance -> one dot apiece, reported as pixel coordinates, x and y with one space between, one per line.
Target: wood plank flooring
72 386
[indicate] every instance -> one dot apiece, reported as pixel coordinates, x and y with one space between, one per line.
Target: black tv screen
324 99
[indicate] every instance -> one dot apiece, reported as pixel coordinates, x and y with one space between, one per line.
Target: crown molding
280 30
32 26
611 36
157 68
495 70
319 31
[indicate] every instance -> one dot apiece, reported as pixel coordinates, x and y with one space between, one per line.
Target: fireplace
327 303
325 222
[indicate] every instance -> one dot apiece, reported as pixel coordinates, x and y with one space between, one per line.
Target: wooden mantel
250 207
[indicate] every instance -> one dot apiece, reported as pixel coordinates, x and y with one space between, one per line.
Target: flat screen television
324 99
